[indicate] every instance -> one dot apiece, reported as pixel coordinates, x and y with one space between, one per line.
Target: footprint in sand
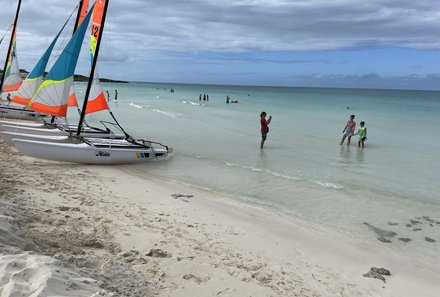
195 279
225 292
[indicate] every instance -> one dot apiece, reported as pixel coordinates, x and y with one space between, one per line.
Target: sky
310 43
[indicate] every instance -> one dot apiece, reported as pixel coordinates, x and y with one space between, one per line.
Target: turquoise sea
387 192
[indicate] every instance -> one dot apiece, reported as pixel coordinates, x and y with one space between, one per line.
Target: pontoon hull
87 154
32 130
24 123
8 136
89 132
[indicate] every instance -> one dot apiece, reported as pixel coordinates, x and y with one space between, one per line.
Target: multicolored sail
13 78
53 94
96 100
81 16
35 77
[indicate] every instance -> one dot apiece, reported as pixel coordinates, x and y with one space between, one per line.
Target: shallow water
302 171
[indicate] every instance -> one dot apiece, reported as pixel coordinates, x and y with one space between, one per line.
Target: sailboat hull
89 132
23 123
87 154
9 136
32 130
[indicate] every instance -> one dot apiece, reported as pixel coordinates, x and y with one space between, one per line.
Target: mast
10 45
92 70
80 5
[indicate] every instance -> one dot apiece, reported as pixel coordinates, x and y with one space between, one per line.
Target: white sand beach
75 230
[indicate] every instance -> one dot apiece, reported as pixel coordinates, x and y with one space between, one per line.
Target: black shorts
363 138
264 136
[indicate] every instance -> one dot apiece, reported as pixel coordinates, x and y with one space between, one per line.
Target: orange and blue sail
53 94
13 78
35 77
97 101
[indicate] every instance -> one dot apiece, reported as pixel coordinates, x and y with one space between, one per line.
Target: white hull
32 130
23 123
18 113
87 154
9 136
57 132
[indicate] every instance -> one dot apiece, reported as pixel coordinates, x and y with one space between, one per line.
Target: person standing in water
362 132
116 94
348 130
264 127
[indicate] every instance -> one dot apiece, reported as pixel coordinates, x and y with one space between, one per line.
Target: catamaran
34 130
52 98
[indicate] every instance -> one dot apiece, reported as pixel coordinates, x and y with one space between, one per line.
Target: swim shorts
264 136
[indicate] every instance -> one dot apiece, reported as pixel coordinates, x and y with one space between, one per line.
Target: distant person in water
108 95
264 127
362 132
200 97
207 97
116 94
204 97
348 130
227 99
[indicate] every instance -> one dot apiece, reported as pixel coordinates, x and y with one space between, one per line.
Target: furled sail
13 78
53 94
97 99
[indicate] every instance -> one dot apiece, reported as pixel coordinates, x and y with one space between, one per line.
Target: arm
268 120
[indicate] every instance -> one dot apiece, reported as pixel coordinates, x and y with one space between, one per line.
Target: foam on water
167 113
329 185
137 105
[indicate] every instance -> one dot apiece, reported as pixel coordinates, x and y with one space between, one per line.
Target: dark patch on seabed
422 224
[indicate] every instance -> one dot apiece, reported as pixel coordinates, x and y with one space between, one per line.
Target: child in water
362 132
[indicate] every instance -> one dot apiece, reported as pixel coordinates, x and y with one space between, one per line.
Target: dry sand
75 230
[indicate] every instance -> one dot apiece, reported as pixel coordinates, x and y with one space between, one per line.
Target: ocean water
387 192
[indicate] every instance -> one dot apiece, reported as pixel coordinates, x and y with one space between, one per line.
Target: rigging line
57 49
7 31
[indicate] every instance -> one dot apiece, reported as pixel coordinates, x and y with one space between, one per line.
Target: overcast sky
336 43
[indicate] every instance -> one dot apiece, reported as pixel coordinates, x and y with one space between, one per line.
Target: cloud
266 25
229 31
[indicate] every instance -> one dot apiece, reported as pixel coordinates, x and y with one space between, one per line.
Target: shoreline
112 233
